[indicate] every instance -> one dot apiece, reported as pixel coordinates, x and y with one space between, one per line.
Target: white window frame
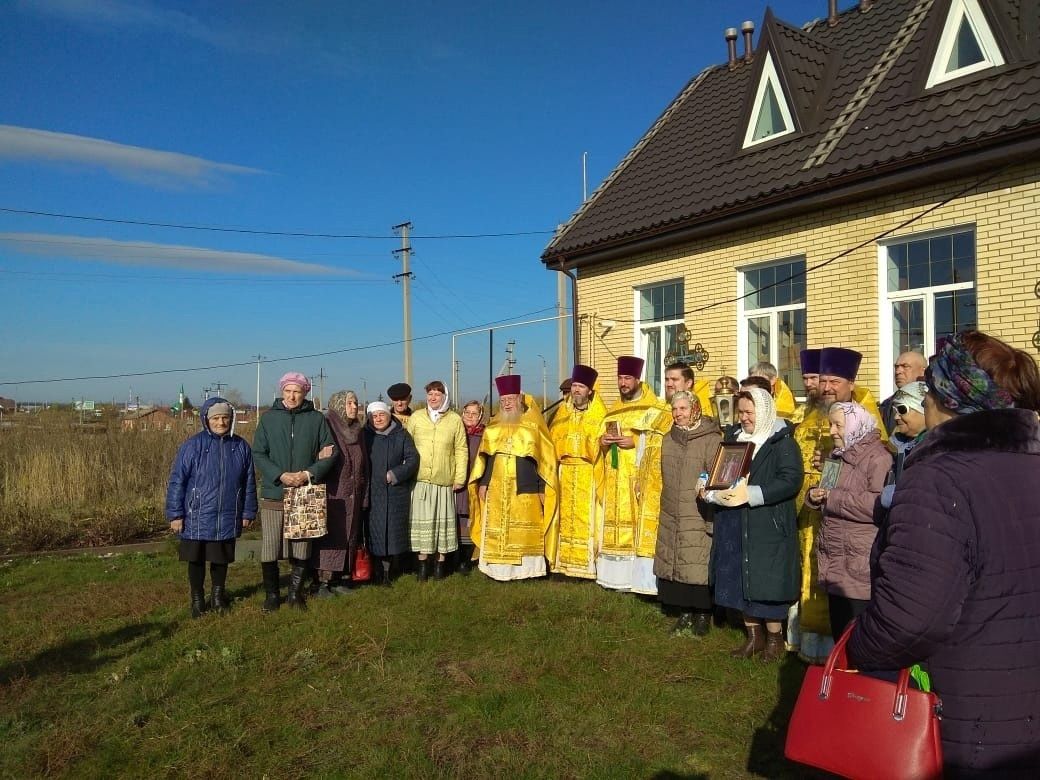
768 76
744 314
639 348
886 299
991 55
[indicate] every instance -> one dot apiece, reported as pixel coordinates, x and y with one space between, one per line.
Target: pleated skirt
432 526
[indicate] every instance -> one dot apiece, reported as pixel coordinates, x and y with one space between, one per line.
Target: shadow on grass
766 754
79 656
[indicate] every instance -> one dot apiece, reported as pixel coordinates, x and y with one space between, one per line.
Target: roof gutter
821 195
575 341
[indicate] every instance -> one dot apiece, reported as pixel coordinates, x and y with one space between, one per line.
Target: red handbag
362 569
864 728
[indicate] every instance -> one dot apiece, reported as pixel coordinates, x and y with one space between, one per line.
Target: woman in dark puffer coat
958 585
210 497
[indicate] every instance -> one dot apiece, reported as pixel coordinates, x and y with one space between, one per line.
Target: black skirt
194 551
679 594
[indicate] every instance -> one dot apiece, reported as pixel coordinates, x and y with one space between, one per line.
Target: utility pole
322 376
406 290
457 391
545 371
259 359
510 360
219 387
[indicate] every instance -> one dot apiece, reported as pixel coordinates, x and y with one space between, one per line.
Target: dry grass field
67 485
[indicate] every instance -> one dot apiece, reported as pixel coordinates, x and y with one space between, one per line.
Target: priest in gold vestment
575 432
629 483
515 489
809 628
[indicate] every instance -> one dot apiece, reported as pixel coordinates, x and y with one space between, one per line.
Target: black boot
423 570
218 599
701 623
465 559
382 573
198 603
270 574
295 598
440 570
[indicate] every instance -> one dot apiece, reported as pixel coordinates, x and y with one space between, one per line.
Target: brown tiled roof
861 110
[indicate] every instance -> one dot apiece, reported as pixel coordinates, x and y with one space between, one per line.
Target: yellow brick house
869 180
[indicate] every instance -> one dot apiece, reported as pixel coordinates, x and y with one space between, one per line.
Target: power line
72 276
906 223
270 360
257 232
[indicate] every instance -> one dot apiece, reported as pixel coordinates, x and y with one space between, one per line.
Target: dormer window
771 116
966 46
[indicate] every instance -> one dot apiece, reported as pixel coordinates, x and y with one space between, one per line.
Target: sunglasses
901 409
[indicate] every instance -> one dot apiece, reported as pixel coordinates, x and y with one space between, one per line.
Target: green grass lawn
103 673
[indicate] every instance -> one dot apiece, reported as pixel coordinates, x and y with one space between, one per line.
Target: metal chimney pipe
748 28
731 45
832 12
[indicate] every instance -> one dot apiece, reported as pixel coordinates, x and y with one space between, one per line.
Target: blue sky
313 117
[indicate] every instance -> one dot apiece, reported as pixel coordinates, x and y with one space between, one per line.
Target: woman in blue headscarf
959 569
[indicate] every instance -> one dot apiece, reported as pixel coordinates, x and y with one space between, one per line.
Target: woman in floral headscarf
847 532
959 570
333 554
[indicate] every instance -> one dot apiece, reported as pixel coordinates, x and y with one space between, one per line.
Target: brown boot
774 650
756 642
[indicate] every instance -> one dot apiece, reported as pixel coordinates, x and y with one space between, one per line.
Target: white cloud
144 254
141 15
129 162
284 35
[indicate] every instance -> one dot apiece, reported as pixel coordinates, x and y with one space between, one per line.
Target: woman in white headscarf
393 463
440 438
754 562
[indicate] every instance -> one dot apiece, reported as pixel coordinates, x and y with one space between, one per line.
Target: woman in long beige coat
684 535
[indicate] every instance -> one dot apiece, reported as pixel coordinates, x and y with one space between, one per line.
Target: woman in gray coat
684 534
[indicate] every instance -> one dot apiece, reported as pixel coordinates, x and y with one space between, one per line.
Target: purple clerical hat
810 361
585 375
629 365
838 361
508 384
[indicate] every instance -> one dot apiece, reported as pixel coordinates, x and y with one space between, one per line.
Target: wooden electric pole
406 289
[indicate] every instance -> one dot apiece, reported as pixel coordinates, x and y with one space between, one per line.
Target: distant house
156 419
870 180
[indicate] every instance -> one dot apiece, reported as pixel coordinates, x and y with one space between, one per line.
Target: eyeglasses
901 409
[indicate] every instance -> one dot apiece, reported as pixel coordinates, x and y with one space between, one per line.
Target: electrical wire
269 360
257 232
906 223
81 276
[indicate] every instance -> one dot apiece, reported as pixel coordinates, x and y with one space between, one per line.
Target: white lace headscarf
765 419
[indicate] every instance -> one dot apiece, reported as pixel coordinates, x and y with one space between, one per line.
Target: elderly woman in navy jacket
959 570
210 497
